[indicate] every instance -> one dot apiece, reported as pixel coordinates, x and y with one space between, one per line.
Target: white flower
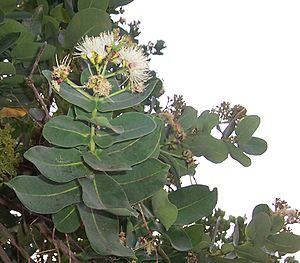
137 64
95 48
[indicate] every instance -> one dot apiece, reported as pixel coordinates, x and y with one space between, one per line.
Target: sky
244 52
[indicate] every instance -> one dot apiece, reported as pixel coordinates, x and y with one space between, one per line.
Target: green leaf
8 5
8 40
262 208
163 209
143 180
237 154
43 196
27 51
65 132
135 151
277 223
89 21
188 118
67 220
206 122
284 242
100 161
83 4
195 233
12 26
247 251
105 122
213 149
134 125
102 192
179 238
255 146
246 128
193 203
71 95
127 99
103 233
259 228
59 165
7 68
60 13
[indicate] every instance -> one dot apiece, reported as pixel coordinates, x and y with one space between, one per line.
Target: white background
244 52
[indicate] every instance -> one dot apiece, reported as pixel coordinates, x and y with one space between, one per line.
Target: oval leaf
134 125
43 196
179 239
67 220
104 193
103 233
284 242
246 128
127 99
163 209
193 203
255 146
65 132
188 117
138 184
89 21
83 4
59 165
238 155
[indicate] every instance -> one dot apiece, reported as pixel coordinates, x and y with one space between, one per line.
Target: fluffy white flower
137 64
95 48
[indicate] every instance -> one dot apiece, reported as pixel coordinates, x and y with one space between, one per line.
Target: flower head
95 48
61 71
136 62
100 85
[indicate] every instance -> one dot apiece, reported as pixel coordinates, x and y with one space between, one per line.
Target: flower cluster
107 55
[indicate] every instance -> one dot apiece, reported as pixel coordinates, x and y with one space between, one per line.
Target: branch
7 234
56 242
4 256
30 82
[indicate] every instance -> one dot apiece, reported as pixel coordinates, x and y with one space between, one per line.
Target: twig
55 241
30 82
4 256
148 229
23 252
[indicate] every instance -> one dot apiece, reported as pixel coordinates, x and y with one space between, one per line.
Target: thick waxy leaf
261 208
255 146
259 228
72 95
193 203
179 238
163 209
59 165
143 180
134 125
102 162
247 251
8 41
89 21
277 223
238 155
213 149
83 4
246 128
43 196
188 118
206 121
103 193
127 99
116 3
195 233
285 242
105 122
135 151
103 233
67 220
65 132
27 51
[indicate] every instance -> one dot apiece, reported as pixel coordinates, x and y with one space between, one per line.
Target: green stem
93 132
120 71
116 93
104 68
172 154
79 89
